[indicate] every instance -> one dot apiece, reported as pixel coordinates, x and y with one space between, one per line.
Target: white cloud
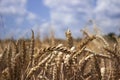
76 13
16 11
31 16
17 8
13 7
73 14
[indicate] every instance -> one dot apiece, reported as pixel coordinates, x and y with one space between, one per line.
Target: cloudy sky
18 17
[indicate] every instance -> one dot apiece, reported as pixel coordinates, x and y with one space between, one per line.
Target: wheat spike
32 49
34 69
69 38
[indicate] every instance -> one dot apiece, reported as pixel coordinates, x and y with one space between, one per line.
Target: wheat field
94 57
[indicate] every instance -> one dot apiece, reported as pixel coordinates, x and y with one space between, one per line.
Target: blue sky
20 16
